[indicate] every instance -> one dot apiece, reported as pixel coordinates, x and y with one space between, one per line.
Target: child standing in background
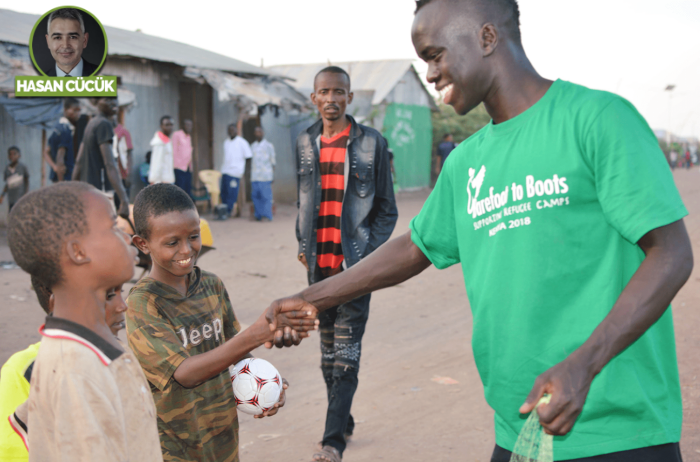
16 177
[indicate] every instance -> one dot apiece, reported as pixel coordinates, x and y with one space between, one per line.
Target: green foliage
461 127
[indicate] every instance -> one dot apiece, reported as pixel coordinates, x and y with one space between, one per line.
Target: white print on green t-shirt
496 200
207 331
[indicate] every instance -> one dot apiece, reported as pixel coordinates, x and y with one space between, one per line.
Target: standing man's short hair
332 70
66 13
70 102
164 118
13 148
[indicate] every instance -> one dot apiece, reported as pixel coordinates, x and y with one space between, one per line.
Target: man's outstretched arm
666 267
392 263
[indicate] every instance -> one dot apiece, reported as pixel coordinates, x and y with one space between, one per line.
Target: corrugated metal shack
166 78
389 96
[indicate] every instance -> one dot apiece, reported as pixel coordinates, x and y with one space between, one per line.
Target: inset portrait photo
68 41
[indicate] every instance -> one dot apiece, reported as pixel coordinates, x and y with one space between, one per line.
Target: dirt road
417 332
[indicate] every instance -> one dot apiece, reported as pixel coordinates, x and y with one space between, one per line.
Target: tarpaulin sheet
35 112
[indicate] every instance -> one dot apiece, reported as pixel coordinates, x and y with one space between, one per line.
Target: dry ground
417 331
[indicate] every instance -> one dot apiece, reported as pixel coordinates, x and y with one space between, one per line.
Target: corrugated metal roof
250 92
16 28
378 76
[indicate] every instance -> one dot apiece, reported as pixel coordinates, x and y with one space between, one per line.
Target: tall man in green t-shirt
568 225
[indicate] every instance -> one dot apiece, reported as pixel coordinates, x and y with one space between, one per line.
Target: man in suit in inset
66 38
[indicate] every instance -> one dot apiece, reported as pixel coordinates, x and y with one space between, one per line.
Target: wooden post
195 141
43 162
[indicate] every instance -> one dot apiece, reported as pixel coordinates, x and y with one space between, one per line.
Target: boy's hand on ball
568 383
280 402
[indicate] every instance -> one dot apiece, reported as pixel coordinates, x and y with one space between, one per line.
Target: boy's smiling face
173 243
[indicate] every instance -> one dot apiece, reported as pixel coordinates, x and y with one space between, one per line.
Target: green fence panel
409 130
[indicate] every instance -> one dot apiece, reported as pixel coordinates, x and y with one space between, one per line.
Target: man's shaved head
332 70
40 224
503 13
467 44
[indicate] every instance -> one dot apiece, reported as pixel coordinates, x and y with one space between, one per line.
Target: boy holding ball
182 328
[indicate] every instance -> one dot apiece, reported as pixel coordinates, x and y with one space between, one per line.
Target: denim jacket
369 211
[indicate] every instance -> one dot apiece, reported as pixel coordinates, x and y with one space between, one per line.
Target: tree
461 127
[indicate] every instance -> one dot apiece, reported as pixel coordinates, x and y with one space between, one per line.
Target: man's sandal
327 454
347 436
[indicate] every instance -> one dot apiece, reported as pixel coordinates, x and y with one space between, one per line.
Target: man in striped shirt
346 210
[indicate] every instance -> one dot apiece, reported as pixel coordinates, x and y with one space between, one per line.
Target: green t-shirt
164 328
544 212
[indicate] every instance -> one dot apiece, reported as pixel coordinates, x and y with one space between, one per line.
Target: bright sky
631 47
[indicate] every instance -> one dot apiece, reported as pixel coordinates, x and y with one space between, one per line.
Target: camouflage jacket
164 328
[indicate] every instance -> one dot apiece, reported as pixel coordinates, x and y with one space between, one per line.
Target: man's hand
280 402
60 169
568 383
123 210
295 307
302 260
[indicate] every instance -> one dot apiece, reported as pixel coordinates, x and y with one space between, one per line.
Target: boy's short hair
13 148
39 225
43 294
156 200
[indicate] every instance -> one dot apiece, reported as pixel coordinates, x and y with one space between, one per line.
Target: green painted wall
409 130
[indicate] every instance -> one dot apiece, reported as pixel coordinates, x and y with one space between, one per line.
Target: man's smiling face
66 41
447 40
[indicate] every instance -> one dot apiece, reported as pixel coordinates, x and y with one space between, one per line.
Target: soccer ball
256 385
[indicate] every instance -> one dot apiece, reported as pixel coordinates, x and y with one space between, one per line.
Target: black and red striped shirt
329 250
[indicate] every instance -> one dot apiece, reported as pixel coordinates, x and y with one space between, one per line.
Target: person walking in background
102 171
182 156
445 148
346 211
123 149
16 177
60 150
236 151
688 161
262 174
673 156
162 170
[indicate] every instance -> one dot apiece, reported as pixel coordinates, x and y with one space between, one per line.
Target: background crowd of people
98 150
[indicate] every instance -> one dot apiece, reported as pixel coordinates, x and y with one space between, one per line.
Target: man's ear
350 96
86 40
48 43
141 244
76 253
313 97
488 39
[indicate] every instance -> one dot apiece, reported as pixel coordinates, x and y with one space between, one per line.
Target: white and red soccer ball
256 385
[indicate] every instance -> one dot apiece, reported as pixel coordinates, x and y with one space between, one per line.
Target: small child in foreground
14 389
17 371
181 327
88 399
